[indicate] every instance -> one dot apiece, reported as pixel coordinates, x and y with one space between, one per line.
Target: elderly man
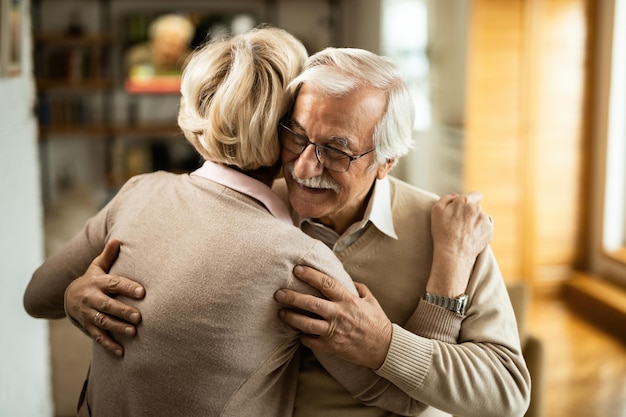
432 318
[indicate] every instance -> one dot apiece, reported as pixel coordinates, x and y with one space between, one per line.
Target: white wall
24 352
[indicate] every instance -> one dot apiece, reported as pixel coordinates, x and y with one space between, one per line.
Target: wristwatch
456 305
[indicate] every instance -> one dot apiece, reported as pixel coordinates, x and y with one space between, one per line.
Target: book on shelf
71 64
63 112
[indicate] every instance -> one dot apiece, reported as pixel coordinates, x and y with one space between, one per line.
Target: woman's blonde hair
234 94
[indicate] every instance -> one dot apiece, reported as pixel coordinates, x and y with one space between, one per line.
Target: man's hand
88 301
460 230
353 328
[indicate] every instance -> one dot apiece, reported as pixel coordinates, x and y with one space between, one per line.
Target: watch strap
456 305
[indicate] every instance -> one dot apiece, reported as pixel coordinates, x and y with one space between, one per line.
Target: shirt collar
379 208
378 211
247 185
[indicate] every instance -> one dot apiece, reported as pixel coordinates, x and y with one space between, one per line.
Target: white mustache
322 182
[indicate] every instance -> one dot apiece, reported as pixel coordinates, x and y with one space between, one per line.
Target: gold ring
96 317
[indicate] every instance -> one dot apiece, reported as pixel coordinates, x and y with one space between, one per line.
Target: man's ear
383 170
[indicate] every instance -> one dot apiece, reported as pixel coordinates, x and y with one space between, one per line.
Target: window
609 255
404 39
615 187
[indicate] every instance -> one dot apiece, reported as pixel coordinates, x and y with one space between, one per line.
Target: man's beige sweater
479 371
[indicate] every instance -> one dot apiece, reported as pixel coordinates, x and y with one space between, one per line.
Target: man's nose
307 165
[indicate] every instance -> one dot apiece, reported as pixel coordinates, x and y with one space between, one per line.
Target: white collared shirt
378 213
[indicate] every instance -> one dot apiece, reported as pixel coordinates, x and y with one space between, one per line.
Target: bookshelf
91 128
96 121
70 70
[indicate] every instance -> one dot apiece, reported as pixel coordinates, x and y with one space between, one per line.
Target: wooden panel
492 154
558 61
525 130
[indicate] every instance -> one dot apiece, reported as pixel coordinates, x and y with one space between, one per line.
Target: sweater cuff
408 359
434 322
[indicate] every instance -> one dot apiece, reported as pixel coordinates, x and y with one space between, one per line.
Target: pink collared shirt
254 188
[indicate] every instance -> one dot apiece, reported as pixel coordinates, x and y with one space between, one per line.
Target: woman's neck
264 174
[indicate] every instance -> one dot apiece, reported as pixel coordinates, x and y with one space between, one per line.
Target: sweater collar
247 185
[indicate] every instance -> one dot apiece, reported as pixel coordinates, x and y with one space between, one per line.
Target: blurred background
523 100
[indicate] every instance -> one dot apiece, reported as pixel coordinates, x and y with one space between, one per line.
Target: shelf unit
84 97
72 69
78 90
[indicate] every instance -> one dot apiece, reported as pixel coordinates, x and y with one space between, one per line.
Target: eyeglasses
330 158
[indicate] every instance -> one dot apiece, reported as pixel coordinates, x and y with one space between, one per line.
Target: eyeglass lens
332 159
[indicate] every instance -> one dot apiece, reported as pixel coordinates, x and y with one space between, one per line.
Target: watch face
461 302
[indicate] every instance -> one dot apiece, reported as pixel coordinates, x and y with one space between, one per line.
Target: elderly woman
210 248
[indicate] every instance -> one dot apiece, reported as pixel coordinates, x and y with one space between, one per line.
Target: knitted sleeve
44 295
484 374
434 322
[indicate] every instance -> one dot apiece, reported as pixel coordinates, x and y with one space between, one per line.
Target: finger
116 308
304 302
467 205
117 284
316 343
487 223
446 199
364 291
473 197
304 323
113 324
322 282
104 339
108 255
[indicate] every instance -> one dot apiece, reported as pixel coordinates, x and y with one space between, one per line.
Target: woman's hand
89 304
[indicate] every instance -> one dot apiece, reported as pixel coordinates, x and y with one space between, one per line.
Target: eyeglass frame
317 147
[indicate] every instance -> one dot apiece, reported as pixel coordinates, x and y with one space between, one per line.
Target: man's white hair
339 71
